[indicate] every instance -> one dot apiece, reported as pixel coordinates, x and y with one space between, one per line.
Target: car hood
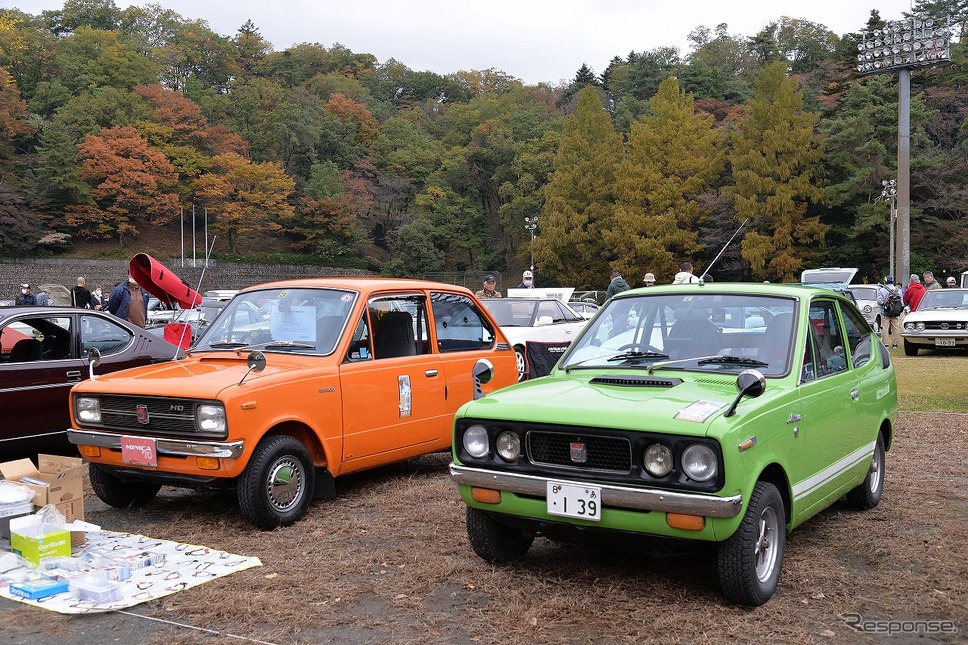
956 315
679 403
201 376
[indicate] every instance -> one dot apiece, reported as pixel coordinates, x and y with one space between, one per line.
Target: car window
37 339
458 324
567 315
105 335
830 354
398 325
858 337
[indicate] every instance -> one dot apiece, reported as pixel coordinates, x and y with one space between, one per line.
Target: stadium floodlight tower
900 46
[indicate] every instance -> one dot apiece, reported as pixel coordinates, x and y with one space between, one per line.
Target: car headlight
475 441
699 462
508 445
657 460
920 326
868 309
87 410
210 419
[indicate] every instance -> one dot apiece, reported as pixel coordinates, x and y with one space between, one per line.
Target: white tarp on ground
185 566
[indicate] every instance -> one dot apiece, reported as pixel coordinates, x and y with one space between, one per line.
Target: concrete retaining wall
107 273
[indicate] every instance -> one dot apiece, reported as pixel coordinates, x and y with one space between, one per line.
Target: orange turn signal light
686 522
486 495
89 451
207 463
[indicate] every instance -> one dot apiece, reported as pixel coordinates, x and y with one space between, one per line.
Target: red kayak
162 283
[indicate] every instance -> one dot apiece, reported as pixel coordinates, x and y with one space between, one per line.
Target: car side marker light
486 495
746 445
90 451
686 522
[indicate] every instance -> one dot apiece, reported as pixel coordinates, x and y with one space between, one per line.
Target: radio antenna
723 250
201 276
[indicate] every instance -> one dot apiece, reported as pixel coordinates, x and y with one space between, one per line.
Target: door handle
855 394
430 373
74 375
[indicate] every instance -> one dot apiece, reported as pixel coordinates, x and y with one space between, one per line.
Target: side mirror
544 321
483 372
94 360
256 362
750 383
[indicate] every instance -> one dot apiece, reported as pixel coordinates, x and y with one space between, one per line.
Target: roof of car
793 290
358 284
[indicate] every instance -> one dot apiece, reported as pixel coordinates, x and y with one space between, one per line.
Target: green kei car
729 413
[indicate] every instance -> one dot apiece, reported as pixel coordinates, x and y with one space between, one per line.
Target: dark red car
44 352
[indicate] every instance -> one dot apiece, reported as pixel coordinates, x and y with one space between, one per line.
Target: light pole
900 46
530 224
890 193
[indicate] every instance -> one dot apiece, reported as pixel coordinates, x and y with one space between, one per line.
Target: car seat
26 349
394 335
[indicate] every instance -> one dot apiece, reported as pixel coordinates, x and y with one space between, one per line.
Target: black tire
868 494
522 363
493 541
277 485
751 559
910 349
114 491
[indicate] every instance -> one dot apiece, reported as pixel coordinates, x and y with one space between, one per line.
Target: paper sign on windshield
698 411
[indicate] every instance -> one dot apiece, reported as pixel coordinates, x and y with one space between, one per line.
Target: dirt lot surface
389 561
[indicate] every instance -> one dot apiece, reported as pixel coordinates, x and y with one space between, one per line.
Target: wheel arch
304 434
776 475
887 431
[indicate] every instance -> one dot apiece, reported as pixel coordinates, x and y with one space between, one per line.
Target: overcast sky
534 40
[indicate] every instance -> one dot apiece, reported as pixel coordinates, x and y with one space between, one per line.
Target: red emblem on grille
578 451
142 411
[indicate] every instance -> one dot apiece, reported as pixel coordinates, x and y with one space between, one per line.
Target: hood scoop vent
636 381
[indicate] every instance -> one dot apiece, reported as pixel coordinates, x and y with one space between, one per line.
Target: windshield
714 332
944 299
517 312
288 319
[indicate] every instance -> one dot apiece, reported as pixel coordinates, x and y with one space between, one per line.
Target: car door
37 375
831 408
393 389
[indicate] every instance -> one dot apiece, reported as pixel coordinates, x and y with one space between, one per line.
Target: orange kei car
294 383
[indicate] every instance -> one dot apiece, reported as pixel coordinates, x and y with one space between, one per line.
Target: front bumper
628 497
165 447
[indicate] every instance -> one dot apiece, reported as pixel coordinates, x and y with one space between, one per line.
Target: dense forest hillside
114 123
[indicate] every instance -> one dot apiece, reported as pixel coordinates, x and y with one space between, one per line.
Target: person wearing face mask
129 301
97 299
25 297
527 281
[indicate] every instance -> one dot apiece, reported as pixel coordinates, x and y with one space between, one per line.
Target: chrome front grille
591 453
164 415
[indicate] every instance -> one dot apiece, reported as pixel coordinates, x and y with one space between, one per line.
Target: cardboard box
29 540
55 480
39 588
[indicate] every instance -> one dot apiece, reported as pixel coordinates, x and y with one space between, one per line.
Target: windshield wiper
698 359
226 343
287 343
731 360
625 356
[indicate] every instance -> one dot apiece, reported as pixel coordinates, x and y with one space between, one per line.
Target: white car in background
866 297
940 321
527 320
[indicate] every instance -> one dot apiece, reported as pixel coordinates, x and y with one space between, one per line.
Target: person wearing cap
617 284
914 292
527 280
649 279
25 298
489 291
43 298
890 325
951 283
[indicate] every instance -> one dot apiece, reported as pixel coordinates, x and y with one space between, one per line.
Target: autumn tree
775 163
130 181
580 197
243 197
674 157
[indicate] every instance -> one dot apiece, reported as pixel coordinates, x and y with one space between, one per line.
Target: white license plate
580 502
944 342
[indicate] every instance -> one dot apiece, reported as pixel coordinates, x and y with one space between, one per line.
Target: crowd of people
909 297
121 302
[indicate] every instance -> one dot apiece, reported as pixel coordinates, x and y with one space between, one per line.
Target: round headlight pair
477 445
698 461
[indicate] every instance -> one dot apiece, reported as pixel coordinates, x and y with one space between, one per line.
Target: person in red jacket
914 292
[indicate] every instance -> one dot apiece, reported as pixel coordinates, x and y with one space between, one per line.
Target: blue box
38 588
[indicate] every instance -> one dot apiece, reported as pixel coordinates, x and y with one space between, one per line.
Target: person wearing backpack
892 306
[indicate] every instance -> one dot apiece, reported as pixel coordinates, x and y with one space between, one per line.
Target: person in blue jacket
123 305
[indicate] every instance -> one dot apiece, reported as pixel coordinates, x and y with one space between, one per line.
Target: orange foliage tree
243 197
130 182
